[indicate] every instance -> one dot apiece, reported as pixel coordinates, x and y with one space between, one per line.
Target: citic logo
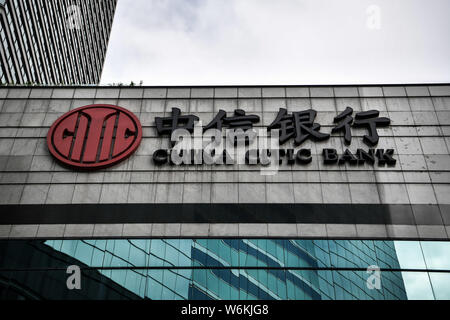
94 136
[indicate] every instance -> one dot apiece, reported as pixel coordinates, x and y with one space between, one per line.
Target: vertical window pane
417 285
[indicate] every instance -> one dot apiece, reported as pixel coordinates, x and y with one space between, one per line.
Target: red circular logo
94 136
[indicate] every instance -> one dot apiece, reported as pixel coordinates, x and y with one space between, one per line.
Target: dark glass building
223 269
53 41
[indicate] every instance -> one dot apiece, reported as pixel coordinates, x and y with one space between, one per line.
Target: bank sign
99 136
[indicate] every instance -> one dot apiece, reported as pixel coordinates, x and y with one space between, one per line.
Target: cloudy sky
239 42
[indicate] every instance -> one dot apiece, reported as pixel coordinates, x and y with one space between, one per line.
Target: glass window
437 254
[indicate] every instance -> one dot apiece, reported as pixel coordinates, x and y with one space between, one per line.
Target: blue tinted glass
437 254
418 286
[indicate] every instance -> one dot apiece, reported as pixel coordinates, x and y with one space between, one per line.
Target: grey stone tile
397 104
364 193
126 93
34 194
85 93
412 162
60 193
32 119
203 106
63 93
312 230
202 93
417 91
427 215
279 193
408 145
137 230
434 145
225 92
273 105
24 231
23 147
3 93
5 229
375 231
79 231
51 231
169 193
50 118
57 106
37 106
336 193
197 193
253 230
297 92
308 193
432 232
252 193
153 105
341 230
282 230
87 193
224 230
443 117
447 229
394 91
108 230
166 230
141 193
107 93
439 90
14 93
10 119
182 104
373 103
441 103
14 106
133 105
438 162
323 104
422 118
39 177
5 146
194 229
401 118
346 91
224 193
179 93
370 91
397 231
77 103
247 92
155 93
321 92
273 92
442 192
421 104
114 193
421 194
19 163
10 194
42 163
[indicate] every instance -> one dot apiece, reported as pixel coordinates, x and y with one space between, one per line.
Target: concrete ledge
225 230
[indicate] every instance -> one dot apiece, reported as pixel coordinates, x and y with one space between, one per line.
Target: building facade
54 42
338 220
